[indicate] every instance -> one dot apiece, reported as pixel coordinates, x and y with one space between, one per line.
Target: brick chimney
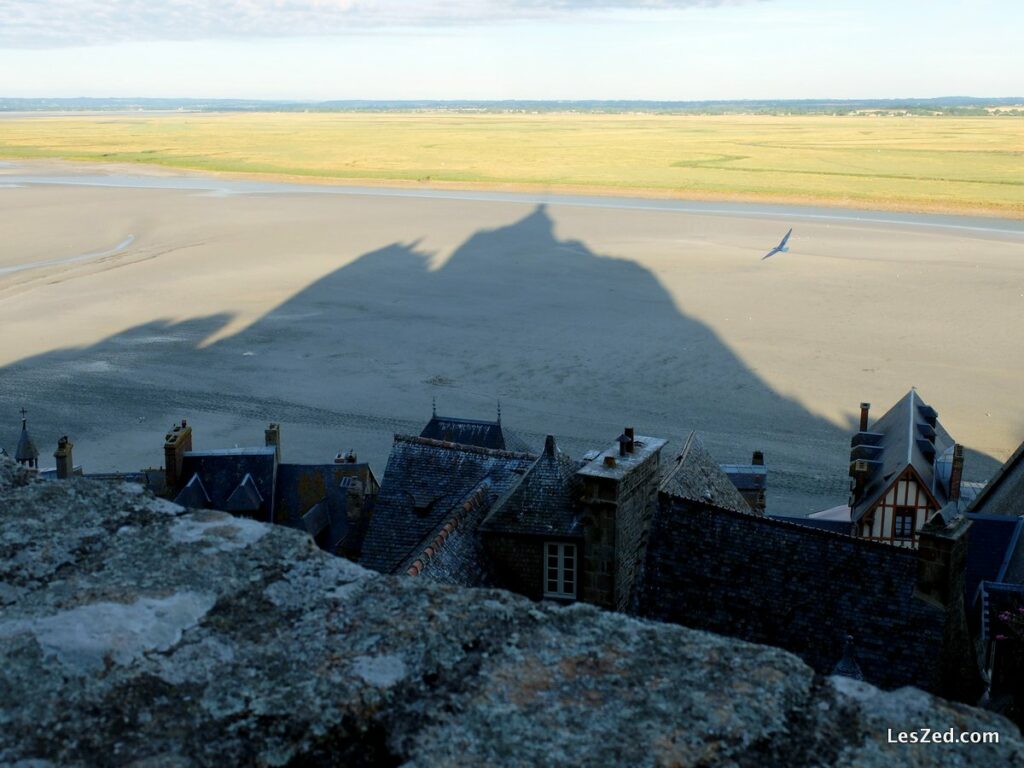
65 463
176 442
956 472
272 435
864 408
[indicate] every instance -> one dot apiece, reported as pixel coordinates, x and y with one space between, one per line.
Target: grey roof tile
1004 493
698 477
907 435
425 479
543 501
26 450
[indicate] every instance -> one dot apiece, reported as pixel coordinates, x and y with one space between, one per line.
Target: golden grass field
965 165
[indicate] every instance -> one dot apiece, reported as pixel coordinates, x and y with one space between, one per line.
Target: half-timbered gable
904 468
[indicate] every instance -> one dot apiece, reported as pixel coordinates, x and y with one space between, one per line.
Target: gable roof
543 501
424 480
222 472
314 498
696 476
908 435
1004 493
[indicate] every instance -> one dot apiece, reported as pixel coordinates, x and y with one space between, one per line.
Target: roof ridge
997 478
475 499
496 452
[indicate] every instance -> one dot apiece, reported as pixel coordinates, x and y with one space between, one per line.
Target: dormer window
560 570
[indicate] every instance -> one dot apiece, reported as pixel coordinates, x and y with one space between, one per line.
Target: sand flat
342 315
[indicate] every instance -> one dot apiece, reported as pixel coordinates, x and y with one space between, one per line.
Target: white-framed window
560 570
903 522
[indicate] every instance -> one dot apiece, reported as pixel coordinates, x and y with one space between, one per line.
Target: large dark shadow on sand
572 342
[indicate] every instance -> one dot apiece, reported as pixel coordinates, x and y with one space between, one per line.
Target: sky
511 49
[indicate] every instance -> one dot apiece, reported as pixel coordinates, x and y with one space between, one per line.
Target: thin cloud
62 23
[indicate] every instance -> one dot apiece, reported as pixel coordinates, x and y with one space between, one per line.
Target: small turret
847 666
26 454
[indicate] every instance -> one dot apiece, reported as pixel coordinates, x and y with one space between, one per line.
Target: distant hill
952 105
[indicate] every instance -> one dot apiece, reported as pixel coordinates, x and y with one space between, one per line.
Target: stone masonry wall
799 588
133 632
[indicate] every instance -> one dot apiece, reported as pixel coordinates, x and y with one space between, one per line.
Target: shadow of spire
574 343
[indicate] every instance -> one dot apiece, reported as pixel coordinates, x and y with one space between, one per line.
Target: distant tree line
953 106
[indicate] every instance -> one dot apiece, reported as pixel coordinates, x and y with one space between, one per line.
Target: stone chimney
176 442
65 463
956 472
272 435
864 408
941 567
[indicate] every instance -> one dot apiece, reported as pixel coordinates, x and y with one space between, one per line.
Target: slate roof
1012 569
26 450
424 481
454 554
987 542
221 472
543 502
696 476
747 477
821 523
314 498
1004 493
483 434
908 435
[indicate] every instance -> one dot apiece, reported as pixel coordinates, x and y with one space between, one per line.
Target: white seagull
780 248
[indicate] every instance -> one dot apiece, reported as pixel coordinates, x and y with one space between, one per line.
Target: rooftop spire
847 666
26 453
433 406
499 411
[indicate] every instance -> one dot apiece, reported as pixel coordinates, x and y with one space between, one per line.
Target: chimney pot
630 434
757 459
864 409
609 461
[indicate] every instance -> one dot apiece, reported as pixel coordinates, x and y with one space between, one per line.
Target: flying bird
780 248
